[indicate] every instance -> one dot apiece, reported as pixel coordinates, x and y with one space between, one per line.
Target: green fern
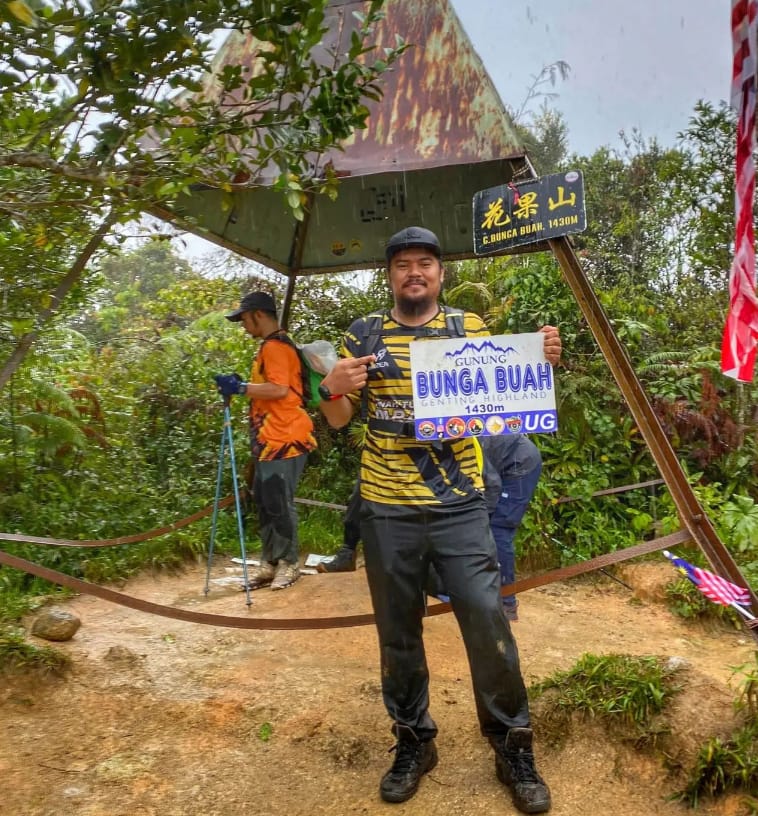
51 398
52 432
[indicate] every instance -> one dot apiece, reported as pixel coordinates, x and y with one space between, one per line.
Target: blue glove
230 384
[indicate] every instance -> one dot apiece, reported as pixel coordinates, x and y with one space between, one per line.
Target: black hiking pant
399 545
274 486
351 529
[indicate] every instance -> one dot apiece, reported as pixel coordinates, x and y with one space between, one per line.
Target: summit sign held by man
511 215
482 387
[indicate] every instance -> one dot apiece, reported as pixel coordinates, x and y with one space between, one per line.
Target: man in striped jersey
422 504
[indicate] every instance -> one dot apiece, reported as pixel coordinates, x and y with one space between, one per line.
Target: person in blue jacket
512 468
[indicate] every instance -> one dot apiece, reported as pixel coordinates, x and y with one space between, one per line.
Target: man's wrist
242 388
326 395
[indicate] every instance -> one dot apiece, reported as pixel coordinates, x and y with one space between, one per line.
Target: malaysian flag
738 347
714 587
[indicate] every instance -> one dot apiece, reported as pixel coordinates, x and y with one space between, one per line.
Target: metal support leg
692 515
226 440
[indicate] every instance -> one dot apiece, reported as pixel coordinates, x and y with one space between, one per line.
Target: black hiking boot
344 561
413 758
514 763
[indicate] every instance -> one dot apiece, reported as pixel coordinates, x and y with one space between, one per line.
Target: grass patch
731 765
320 529
16 602
723 766
624 692
18 655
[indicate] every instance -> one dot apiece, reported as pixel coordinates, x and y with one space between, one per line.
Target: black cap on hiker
412 238
253 302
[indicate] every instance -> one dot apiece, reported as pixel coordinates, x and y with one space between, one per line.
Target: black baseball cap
412 238
253 302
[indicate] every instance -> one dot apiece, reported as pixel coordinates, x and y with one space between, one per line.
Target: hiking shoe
514 763
413 758
344 561
286 574
260 576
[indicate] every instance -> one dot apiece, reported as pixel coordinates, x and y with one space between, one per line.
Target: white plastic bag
321 355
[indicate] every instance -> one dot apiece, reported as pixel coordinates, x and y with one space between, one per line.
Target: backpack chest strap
390 426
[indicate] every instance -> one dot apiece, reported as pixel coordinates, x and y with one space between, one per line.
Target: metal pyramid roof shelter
439 134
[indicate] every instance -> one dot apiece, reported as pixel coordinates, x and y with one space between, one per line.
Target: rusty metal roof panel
439 105
439 134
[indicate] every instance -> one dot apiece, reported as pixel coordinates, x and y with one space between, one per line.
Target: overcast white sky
637 63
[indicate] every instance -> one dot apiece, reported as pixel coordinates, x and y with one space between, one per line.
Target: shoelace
522 764
406 756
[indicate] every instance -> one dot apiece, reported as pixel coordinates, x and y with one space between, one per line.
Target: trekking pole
226 438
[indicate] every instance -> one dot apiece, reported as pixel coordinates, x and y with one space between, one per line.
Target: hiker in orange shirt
281 436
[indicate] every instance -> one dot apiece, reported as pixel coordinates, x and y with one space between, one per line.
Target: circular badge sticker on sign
514 423
494 425
455 427
475 426
426 428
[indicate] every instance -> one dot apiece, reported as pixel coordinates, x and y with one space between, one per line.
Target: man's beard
413 307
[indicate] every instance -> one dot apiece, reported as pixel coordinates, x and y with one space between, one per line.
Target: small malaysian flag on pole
738 348
714 587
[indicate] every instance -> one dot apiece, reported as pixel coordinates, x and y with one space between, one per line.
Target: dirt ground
164 718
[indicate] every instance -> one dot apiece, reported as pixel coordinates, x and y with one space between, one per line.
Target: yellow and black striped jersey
397 468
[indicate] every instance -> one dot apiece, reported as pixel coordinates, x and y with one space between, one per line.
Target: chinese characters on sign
514 214
483 386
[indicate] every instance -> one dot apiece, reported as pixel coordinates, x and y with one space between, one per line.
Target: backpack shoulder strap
372 333
374 328
375 321
454 320
282 336
373 325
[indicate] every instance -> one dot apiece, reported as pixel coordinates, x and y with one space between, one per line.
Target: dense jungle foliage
112 425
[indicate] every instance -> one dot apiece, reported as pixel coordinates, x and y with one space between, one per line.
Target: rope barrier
114 542
229 621
87 588
611 490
